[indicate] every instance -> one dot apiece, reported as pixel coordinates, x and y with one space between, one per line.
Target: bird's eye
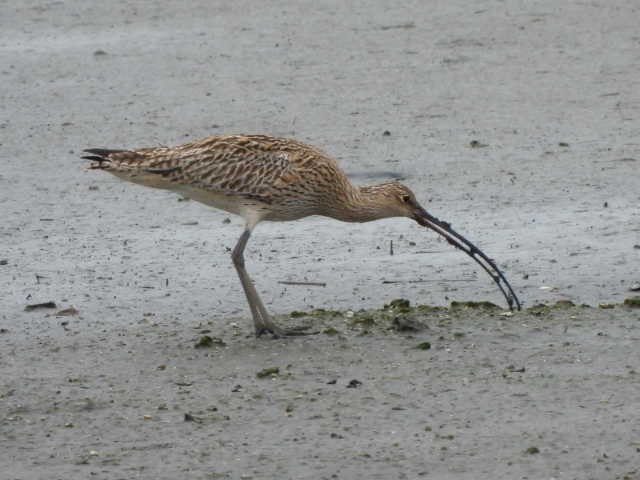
406 198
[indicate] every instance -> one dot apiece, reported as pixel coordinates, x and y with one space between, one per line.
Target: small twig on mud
309 284
419 280
34 306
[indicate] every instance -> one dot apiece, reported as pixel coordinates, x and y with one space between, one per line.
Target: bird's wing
232 165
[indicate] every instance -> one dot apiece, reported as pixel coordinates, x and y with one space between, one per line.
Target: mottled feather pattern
283 173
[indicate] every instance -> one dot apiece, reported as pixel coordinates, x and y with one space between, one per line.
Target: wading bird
260 178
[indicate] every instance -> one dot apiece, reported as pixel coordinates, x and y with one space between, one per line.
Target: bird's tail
143 166
105 158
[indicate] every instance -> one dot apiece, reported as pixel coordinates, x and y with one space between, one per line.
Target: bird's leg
261 318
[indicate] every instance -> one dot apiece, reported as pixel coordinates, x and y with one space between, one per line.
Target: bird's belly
246 207
229 203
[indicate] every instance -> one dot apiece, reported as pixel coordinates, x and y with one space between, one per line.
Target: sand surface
515 121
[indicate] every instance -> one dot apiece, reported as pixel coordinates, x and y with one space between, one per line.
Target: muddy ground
515 121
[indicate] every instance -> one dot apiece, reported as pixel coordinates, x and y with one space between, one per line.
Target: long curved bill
443 228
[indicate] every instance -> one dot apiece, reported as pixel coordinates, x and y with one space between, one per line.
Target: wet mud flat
516 121
467 391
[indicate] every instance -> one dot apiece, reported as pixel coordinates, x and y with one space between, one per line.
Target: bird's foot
277 332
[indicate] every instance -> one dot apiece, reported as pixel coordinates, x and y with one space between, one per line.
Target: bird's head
398 201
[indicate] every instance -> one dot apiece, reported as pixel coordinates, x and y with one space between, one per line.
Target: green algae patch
406 323
316 313
330 331
205 341
323 313
268 372
429 309
424 346
633 302
399 305
539 309
363 319
401 317
563 304
483 305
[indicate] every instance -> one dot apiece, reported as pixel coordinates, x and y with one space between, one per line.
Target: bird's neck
361 204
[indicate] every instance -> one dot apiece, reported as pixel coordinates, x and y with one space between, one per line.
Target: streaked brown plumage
260 177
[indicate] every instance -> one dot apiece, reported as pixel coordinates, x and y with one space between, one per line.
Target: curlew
262 178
